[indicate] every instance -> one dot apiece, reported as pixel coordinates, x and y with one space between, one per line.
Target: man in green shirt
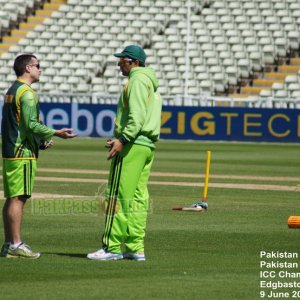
137 128
23 135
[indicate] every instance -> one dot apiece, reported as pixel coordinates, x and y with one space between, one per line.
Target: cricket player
22 136
137 129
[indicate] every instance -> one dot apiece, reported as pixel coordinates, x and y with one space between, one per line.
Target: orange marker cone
294 222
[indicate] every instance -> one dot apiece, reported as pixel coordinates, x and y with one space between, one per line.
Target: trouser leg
125 174
138 211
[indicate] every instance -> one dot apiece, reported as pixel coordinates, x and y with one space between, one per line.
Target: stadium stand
236 48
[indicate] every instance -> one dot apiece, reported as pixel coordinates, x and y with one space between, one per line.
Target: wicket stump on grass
205 190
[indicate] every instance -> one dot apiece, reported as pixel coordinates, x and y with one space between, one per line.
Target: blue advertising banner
86 119
231 124
193 123
196 123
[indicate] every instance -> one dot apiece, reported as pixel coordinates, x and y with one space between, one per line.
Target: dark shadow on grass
78 255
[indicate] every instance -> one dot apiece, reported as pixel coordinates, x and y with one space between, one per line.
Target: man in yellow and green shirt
23 135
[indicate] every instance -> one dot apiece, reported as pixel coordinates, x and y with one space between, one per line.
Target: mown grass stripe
174 174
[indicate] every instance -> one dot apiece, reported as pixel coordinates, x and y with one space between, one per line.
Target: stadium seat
265 94
87 32
194 91
278 90
228 61
269 54
245 67
113 89
207 87
294 38
256 58
232 75
293 89
48 87
291 79
220 82
176 90
83 88
281 45
64 87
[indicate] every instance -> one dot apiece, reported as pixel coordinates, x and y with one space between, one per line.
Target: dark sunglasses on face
125 59
35 65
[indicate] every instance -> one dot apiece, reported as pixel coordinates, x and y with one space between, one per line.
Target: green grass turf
212 255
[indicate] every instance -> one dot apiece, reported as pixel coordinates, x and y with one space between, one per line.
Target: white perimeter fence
180 100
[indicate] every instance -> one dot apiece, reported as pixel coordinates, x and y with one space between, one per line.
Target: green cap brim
120 55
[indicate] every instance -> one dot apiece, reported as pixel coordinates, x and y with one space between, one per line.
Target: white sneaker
135 256
101 254
22 251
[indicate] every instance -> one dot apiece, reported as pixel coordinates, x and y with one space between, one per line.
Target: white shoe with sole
101 254
23 251
135 256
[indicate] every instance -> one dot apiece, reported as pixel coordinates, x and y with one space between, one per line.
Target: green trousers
127 199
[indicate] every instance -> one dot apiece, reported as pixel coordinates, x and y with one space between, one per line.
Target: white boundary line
174 174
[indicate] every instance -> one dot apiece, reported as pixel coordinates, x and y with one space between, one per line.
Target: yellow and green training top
21 128
139 109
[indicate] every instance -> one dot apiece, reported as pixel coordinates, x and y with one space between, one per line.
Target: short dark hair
20 63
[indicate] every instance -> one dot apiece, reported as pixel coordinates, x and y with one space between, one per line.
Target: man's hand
65 133
46 144
114 146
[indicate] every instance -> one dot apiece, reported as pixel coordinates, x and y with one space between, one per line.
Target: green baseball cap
133 52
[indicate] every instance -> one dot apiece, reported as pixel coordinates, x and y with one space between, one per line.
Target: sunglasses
125 59
35 65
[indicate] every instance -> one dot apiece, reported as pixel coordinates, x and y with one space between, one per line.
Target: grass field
212 255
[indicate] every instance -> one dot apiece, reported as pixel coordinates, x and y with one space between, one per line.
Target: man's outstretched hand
65 133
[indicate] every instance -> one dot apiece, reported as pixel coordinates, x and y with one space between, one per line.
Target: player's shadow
78 255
